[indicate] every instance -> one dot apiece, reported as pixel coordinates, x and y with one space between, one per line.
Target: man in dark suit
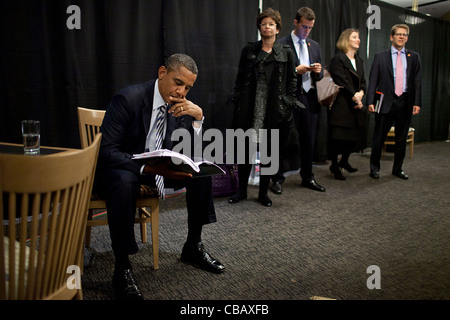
309 70
396 73
130 127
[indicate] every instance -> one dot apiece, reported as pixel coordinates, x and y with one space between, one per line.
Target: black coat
343 113
281 100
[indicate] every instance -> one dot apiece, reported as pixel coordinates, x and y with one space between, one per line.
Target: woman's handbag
227 184
327 90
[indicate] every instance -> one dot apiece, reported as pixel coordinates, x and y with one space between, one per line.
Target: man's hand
416 110
371 108
182 107
302 69
161 168
317 68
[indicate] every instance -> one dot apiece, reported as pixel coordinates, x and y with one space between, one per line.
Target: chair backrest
43 205
89 122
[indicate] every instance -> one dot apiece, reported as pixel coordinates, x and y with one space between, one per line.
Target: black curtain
213 33
48 70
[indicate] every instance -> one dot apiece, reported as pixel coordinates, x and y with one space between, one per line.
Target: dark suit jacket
126 125
314 57
381 79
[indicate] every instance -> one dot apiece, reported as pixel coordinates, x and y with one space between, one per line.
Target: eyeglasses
272 25
401 34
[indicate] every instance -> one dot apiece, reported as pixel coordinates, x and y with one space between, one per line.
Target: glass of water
31 133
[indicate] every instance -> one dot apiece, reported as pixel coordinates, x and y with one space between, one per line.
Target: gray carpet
309 243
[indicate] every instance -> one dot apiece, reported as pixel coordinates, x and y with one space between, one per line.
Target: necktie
399 76
304 59
158 145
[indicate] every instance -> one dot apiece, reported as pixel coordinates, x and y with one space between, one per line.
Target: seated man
130 127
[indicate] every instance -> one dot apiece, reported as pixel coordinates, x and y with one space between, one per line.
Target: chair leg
143 225
155 236
88 231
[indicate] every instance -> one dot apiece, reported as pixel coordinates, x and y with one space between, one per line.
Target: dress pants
306 120
121 189
306 124
400 116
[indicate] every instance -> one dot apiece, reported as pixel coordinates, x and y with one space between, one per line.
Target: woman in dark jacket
265 94
346 118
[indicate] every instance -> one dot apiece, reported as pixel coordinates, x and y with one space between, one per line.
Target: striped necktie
158 145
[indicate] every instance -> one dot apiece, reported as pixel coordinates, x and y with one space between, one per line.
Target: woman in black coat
265 94
346 120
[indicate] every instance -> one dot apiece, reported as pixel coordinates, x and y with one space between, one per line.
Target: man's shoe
313 185
348 167
336 171
124 285
265 200
401 175
374 174
236 198
276 188
198 257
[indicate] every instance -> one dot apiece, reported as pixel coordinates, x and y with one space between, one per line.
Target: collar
158 101
394 50
295 38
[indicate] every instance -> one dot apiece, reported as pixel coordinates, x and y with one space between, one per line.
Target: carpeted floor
309 243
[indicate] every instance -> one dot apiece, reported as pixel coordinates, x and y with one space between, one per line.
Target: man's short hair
177 60
395 27
305 12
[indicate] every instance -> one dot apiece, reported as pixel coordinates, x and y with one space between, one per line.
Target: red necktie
399 76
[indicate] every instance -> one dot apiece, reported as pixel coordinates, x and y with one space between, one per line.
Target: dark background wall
48 70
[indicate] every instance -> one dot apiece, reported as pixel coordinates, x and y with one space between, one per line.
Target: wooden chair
390 140
89 121
43 205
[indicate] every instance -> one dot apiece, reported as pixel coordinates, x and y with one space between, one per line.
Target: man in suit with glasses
395 74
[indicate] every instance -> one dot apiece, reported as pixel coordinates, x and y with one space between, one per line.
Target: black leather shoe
313 185
348 167
336 171
236 198
401 175
374 174
124 285
276 188
198 257
265 200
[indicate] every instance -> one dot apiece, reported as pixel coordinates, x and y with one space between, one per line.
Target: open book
180 162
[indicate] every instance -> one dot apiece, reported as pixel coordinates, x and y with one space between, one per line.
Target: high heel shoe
237 197
337 172
348 167
265 200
